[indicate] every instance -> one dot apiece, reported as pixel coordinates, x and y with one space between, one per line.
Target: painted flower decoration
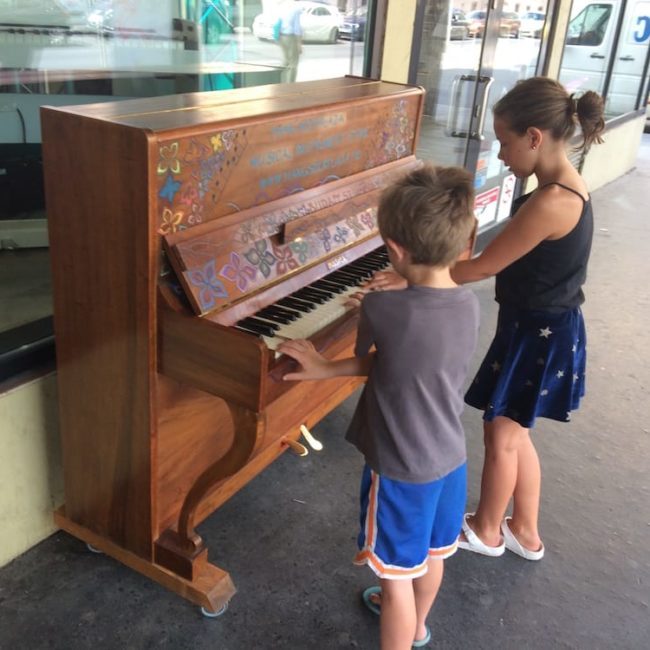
170 188
301 249
325 236
368 219
262 258
285 259
341 235
353 223
196 151
237 272
209 285
189 194
216 142
169 159
195 215
171 221
228 138
246 232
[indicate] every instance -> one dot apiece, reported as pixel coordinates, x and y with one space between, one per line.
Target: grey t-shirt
407 422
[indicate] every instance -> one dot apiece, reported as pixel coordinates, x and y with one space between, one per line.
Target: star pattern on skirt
546 332
496 366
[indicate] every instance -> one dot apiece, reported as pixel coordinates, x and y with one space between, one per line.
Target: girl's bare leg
525 511
503 438
426 589
398 618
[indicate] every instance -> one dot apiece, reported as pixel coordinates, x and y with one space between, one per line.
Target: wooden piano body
170 220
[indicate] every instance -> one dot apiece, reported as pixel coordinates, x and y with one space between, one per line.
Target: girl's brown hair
430 213
544 103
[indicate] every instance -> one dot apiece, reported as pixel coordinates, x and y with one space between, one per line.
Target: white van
589 47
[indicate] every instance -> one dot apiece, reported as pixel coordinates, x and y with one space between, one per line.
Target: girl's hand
385 281
313 364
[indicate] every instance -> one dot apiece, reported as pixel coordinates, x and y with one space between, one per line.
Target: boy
407 422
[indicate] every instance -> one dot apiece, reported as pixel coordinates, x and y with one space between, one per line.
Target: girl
535 366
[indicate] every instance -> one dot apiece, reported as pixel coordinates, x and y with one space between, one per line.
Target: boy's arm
315 366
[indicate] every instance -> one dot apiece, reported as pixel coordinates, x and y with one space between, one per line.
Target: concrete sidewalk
287 538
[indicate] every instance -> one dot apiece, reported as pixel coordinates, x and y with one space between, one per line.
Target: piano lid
221 262
230 166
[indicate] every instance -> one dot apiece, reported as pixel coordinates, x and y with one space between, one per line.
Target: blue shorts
405 524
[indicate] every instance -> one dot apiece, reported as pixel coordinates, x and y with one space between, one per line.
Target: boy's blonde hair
429 212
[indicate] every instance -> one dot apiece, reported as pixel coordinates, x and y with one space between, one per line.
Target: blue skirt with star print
535 367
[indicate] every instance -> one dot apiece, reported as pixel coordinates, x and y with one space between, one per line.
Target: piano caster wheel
94 549
208 614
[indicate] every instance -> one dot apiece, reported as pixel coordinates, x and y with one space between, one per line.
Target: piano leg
211 587
182 550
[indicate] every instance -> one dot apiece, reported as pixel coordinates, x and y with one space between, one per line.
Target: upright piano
189 235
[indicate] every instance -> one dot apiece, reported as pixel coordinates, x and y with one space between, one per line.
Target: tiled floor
288 537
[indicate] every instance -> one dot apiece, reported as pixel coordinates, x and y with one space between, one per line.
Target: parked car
476 25
320 23
459 26
508 24
353 27
532 24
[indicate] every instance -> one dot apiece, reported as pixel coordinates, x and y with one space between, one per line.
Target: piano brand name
337 261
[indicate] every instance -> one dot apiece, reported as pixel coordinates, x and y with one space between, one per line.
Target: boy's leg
502 437
398 618
425 589
525 511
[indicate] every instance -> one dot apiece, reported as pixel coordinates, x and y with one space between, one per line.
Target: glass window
597 56
590 25
61 52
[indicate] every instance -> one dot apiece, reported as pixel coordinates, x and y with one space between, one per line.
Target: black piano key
289 314
349 279
319 292
369 265
259 326
248 330
273 317
309 297
327 285
294 303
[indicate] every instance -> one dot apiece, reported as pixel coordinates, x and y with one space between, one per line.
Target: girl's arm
315 366
541 217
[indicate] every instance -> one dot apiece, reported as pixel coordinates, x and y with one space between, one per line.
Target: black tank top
549 277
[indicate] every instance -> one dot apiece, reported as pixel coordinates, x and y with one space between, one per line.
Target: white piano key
312 322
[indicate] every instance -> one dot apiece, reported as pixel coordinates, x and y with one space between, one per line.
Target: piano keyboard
313 307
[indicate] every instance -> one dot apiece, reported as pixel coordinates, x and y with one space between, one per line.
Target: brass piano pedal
295 446
316 445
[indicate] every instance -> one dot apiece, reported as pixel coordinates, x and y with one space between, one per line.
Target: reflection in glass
61 52
588 52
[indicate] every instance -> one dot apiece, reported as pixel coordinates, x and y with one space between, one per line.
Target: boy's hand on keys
385 281
313 364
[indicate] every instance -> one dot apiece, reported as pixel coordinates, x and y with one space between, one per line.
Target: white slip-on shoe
513 545
475 545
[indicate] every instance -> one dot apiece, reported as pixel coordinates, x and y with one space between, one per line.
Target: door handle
626 58
597 56
453 112
478 134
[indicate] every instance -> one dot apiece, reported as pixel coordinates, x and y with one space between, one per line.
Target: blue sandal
366 595
376 609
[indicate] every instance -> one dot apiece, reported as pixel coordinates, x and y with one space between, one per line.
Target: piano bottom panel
195 429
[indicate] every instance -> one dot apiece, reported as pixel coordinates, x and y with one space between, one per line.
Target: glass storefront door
466 61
